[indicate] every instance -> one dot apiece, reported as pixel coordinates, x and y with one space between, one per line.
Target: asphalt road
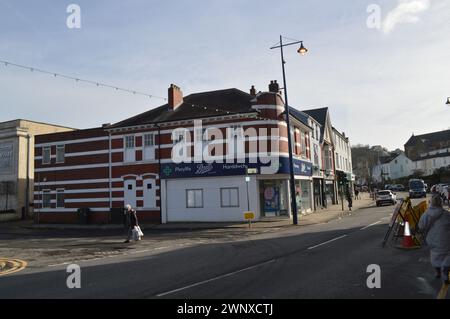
319 261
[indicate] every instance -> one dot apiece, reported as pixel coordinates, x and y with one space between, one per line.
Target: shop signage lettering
183 170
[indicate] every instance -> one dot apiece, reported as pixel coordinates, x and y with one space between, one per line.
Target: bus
417 188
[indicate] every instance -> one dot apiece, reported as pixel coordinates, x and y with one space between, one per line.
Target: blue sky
381 84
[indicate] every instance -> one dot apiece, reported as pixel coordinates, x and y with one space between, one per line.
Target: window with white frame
46 155
303 144
60 201
194 198
46 198
60 153
237 134
337 161
149 146
229 197
130 152
316 155
328 159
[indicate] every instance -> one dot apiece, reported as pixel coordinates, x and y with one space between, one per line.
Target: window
46 199
328 159
149 139
129 141
149 146
303 144
60 153
229 197
130 154
60 198
337 161
316 155
46 155
194 198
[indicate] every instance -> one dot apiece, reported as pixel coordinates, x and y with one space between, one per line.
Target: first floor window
46 199
60 198
60 153
46 155
229 197
194 198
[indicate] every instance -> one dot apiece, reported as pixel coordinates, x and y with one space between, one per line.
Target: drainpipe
110 175
159 173
27 188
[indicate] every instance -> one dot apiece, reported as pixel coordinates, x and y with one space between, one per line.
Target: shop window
194 198
229 197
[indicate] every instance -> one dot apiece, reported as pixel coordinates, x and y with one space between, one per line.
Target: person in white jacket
435 222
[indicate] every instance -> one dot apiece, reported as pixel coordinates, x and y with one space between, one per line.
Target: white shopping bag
135 234
141 234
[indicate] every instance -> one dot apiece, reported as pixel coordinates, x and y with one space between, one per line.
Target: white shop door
149 193
130 193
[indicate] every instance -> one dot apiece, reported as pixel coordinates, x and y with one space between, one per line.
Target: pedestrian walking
435 223
349 199
356 193
131 221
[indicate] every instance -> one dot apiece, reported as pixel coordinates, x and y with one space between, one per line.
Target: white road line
327 242
215 278
376 223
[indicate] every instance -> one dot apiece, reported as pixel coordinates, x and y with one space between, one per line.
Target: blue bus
417 188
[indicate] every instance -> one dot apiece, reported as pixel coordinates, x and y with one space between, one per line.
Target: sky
382 67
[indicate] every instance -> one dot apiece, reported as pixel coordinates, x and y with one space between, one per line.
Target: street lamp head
448 101
302 50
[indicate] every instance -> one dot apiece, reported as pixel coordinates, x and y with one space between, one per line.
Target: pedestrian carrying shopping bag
135 234
141 234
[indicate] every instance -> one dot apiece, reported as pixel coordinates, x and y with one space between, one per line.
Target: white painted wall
174 202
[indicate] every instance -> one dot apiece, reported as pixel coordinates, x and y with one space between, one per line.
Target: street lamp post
302 50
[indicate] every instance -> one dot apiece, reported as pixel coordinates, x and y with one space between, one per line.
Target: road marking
215 278
368 226
327 242
12 266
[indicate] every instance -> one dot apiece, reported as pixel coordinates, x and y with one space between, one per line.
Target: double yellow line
10 266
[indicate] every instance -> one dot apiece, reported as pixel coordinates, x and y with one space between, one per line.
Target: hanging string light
96 83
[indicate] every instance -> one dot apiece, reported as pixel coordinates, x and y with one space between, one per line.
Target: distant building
394 166
428 162
429 151
16 177
426 143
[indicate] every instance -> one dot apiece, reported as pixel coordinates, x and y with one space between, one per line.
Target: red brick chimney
274 87
253 91
175 97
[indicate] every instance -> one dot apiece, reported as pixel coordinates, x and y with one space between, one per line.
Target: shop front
304 196
329 193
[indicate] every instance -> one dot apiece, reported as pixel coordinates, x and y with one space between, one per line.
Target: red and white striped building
131 162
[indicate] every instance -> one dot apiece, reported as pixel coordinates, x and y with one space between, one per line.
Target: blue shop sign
184 170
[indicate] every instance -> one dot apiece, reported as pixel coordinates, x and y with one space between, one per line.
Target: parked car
398 188
386 197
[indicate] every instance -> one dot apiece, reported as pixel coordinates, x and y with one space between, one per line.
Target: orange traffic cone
407 238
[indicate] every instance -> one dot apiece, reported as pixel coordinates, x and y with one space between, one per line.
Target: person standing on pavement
356 193
435 223
131 221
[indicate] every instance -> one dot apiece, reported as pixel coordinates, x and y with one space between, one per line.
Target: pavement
324 259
